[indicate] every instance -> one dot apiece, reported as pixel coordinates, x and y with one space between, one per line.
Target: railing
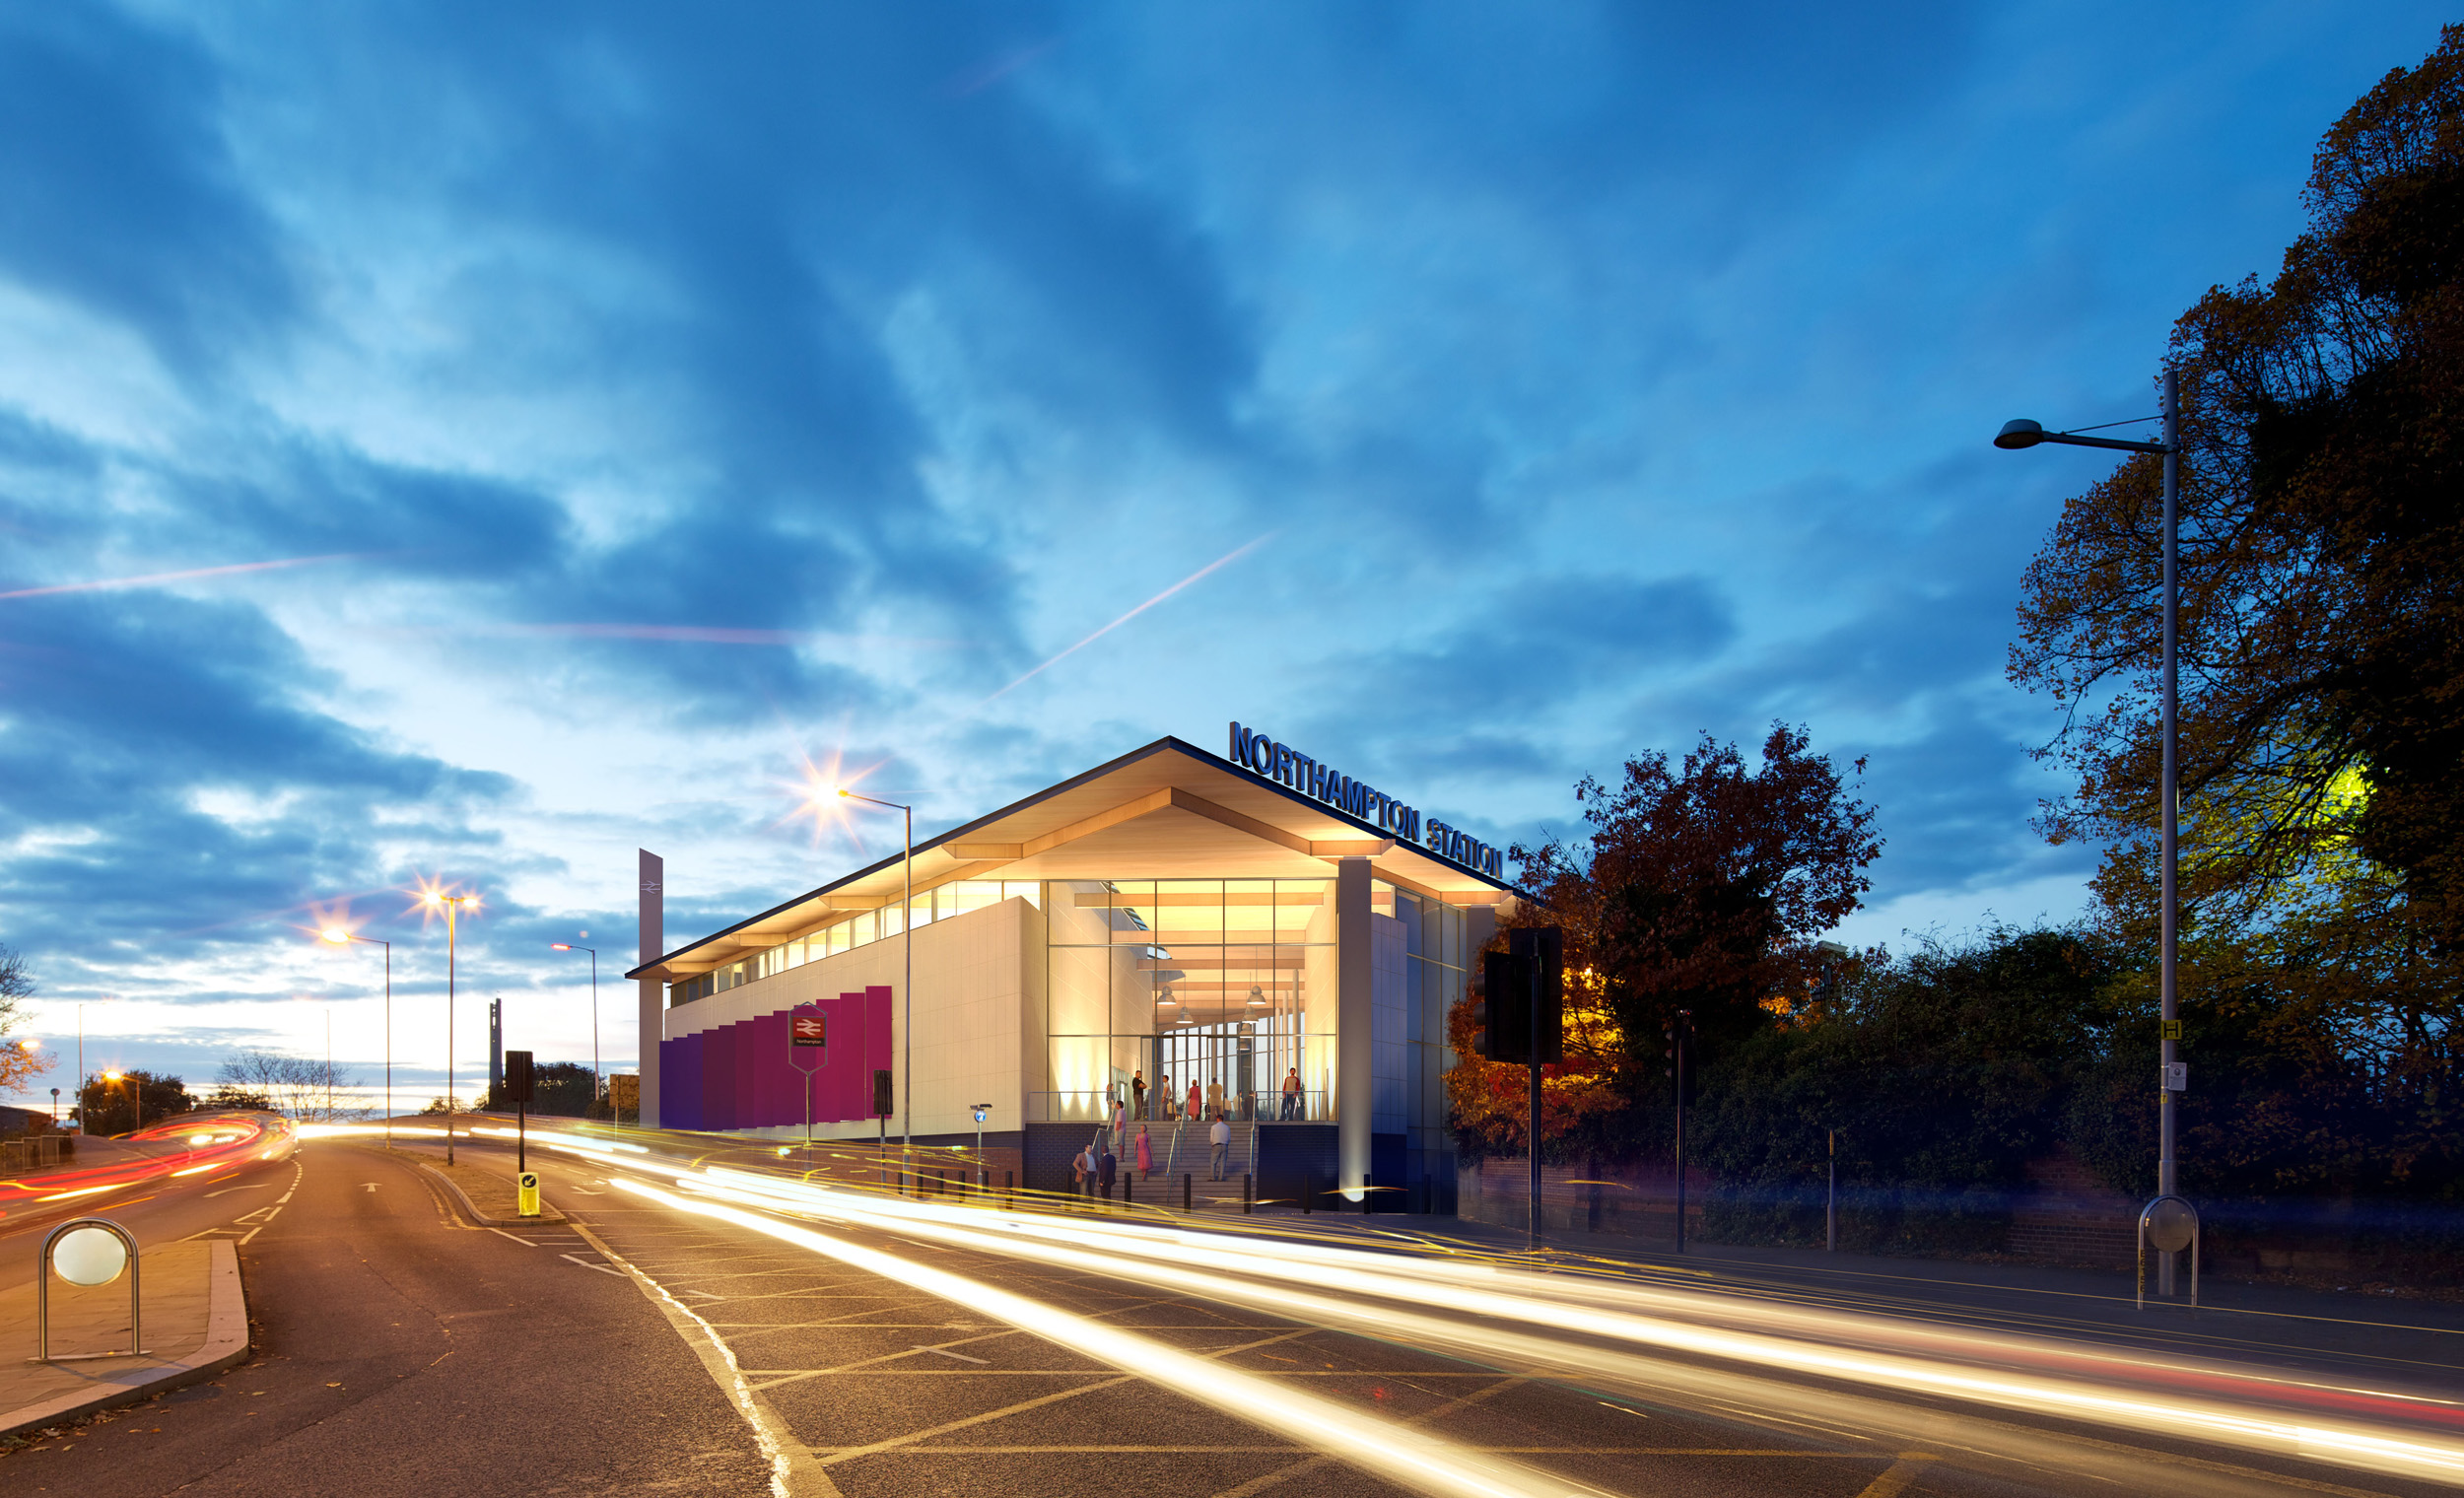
1096 1106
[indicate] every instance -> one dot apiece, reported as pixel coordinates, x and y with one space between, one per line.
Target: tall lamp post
451 904
2027 434
343 937
596 1080
906 937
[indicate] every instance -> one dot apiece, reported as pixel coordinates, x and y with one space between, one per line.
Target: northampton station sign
1260 755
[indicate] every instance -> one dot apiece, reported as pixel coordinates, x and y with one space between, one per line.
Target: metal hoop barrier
42 1292
2172 1223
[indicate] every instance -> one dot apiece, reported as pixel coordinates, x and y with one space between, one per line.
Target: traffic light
1544 946
1502 1008
517 1076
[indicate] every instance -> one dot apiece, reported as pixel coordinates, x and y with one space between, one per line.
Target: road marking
793 1470
1896 1480
588 1265
227 1191
368 1186
525 1241
962 1357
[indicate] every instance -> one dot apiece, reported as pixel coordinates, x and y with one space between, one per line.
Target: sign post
518 1082
984 1171
808 1047
881 1101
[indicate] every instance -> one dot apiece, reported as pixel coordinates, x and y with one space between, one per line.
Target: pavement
192 1315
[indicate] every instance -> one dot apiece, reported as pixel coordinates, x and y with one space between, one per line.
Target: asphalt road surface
694 1338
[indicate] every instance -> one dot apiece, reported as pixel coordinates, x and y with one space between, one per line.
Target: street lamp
342 937
907 934
596 1080
453 906
136 1104
2027 434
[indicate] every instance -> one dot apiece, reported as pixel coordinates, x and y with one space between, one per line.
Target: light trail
151 579
1411 1457
1302 1283
1226 560
697 634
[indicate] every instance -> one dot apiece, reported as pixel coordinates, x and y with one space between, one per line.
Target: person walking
1146 1156
1219 1142
1106 1166
1138 1096
1119 1122
1291 1094
1197 1109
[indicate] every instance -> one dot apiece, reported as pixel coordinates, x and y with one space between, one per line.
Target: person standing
1163 1093
1220 1143
1292 1093
1106 1166
1196 1107
1078 1174
1119 1122
1215 1096
1138 1096
1146 1156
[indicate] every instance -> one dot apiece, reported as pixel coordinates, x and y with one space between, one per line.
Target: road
705 1332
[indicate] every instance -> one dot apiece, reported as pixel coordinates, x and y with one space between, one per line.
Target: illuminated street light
342 937
453 906
596 1079
2019 435
906 937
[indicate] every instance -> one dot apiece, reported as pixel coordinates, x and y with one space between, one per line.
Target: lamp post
2027 434
596 1080
451 904
342 937
907 936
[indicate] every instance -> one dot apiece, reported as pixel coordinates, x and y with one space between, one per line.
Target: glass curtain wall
1224 985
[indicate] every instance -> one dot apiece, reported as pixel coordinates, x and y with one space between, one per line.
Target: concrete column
1353 972
653 995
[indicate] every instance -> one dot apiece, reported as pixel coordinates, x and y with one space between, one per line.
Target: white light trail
152 580
1125 1252
1400 1453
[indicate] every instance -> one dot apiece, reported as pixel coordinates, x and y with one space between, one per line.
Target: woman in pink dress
1196 1106
1146 1155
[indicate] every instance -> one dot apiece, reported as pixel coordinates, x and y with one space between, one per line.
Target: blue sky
671 395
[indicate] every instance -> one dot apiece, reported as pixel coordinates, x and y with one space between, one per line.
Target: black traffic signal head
517 1076
1544 947
1504 1012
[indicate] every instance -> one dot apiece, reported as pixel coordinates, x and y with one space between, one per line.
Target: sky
542 431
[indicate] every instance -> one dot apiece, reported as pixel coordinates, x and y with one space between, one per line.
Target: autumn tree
18 1063
2322 639
1700 885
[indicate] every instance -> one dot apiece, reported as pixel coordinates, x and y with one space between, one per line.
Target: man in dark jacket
1105 1166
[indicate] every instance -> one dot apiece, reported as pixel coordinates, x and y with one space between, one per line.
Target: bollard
1128 1199
1249 1194
1185 1190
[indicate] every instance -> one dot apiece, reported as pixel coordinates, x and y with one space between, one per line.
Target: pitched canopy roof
1167 811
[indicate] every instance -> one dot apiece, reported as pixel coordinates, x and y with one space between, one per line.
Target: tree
109 1105
18 1063
307 1089
1700 886
2323 629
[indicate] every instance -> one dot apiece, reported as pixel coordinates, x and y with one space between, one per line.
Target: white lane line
525 1241
227 1191
962 1357
794 1473
588 1265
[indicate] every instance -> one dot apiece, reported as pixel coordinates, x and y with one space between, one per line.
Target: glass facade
1227 984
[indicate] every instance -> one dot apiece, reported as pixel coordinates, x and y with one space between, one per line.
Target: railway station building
1254 925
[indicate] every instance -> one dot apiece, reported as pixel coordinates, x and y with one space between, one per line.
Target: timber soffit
968 849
